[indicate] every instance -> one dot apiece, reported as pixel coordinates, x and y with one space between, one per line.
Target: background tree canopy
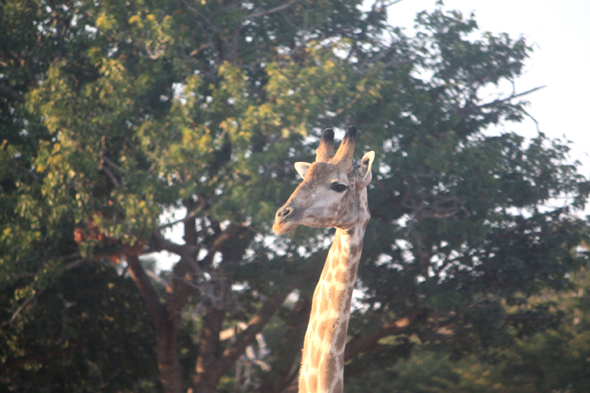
115 111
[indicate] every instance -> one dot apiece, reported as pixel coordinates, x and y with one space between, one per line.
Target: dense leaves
115 112
554 359
79 325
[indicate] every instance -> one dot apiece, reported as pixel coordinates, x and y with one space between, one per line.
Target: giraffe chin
282 228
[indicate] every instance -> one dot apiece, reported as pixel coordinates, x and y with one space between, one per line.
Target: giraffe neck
322 366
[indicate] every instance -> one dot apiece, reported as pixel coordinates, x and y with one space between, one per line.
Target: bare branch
271 11
224 237
189 216
77 263
149 295
255 326
511 97
422 209
111 163
182 250
180 286
21 308
69 266
531 317
156 278
111 176
385 5
187 269
361 344
533 119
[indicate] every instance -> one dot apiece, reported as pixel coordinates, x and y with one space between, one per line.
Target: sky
559 32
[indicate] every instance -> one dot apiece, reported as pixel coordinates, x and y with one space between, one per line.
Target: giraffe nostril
286 212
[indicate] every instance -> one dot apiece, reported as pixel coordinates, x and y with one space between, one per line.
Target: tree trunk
168 363
211 364
205 379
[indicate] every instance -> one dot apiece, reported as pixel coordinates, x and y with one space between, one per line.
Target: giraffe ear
301 168
365 169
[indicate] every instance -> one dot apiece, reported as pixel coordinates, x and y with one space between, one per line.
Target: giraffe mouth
281 228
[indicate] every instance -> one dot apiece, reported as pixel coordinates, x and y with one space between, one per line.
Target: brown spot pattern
349 298
316 358
336 298
323 329
341 339
312 383
339 388
335 262
341 276
329 369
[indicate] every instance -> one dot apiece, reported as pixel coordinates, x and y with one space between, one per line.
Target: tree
81 323
550 359
132 108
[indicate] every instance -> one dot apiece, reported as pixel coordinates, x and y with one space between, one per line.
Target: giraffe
333 194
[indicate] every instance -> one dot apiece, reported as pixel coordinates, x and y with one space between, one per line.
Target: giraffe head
332 189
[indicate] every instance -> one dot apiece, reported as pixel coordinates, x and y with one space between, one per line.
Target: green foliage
114 112
73 332
551 360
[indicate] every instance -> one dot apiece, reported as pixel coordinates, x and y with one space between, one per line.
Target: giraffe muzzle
283 222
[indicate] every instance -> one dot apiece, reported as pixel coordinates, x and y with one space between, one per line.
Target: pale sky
559 32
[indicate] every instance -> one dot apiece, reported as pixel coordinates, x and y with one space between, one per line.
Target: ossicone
325 150
346 149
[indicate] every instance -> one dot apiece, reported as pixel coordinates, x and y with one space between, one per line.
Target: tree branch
156 278
361 344
189 216
179 289
111 176
246 337
22 306
38 356
69 266
223 238
111 163
271 11
182 250
393 2
205 19
512 96
180 286
149 295
206 367
531 317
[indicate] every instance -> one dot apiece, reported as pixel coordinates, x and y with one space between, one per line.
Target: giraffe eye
338 187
